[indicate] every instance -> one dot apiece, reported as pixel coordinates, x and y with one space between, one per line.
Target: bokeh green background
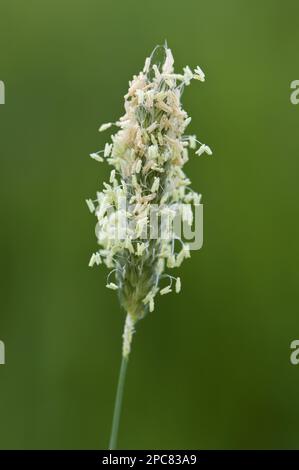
210 368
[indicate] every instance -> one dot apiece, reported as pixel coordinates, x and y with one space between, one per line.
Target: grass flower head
147 153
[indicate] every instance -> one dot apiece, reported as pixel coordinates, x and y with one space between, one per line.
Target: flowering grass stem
147 191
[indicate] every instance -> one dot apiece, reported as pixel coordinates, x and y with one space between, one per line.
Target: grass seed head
147 153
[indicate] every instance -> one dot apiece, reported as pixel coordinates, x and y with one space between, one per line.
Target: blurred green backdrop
210 368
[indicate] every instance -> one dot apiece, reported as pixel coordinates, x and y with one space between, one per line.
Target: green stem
118 403
127 340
